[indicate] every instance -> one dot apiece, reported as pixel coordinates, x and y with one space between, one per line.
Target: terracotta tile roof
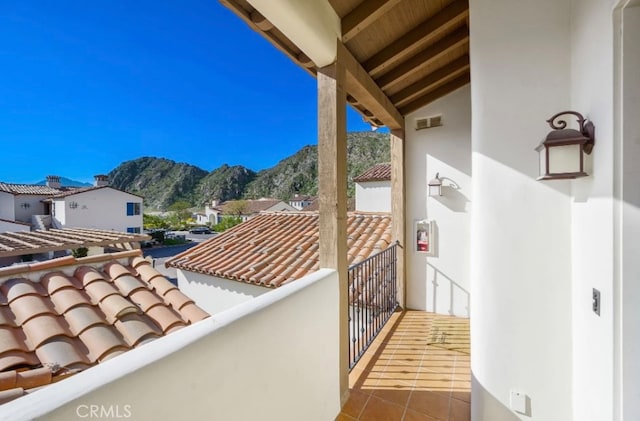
41 241
252 206
274 248
379 172
28 189
65 315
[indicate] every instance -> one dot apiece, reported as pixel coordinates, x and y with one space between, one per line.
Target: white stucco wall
521 231
215 294
627 212
104 208
440 283
252 362
373 196
7 207
36 207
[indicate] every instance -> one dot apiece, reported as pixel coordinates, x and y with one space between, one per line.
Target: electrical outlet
596 301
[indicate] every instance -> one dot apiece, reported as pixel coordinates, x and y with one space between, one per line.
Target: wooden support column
332 192
398 214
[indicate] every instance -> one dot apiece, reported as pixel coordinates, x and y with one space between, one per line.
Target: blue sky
87 85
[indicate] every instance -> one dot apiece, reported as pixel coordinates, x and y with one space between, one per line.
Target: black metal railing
372 299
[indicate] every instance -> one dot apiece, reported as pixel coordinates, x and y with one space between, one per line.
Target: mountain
224 183
67 182
163 182
160 181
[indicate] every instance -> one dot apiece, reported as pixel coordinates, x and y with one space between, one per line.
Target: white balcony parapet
274 357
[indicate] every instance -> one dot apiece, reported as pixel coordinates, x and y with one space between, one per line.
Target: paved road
161 254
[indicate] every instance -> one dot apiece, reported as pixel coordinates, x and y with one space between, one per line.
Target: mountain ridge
163 182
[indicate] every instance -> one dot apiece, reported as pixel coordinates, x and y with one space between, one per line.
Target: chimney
100 180
214 203
53 181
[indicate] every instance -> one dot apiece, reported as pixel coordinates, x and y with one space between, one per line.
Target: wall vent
428 122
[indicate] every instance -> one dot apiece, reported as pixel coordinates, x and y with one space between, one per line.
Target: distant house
300 201
201 218
266 252
373 189
99 206
19 202
245 209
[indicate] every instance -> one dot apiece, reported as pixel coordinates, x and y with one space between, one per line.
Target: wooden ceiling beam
422 59
363 16
260 21
435 94
361 86
447 18
447 71
248 18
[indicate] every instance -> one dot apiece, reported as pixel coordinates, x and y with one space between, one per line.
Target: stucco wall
35 207
7 208
104 208
215 294
521 231
373 196
440 283
627 212
273 358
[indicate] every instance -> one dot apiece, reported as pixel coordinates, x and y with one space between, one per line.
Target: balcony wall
274 357
215 294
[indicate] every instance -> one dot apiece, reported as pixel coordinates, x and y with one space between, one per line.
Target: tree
180 217
236 207
151 222
226 223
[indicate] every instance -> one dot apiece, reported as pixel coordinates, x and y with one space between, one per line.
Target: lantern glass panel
564 159
542 154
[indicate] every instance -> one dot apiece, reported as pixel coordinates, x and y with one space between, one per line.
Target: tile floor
418 368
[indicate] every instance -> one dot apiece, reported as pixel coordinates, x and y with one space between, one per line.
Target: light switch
518 401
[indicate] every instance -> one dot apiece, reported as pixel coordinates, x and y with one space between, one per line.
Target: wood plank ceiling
415 51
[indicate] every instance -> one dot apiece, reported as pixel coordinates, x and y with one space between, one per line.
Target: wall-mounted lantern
73 205
435 186
25 205
561 153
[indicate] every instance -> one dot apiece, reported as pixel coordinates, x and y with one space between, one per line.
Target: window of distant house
133 208
133 230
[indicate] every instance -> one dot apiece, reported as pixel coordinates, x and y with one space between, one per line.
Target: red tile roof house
268 251
373 189
247 208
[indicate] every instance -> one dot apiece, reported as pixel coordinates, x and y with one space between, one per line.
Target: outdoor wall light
25 206
562 152
435 186
73 205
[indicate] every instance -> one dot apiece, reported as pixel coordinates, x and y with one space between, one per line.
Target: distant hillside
299 172
224 183
67 182
162 182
